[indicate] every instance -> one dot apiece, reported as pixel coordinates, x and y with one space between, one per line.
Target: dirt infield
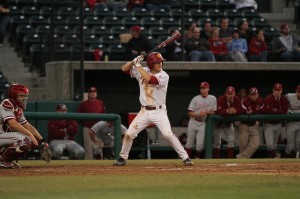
255 168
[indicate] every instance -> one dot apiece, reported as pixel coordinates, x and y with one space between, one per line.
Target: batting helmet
14 93
61 107
154 58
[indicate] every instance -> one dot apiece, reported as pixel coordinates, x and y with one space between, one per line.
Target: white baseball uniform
293 127
153 111
196 128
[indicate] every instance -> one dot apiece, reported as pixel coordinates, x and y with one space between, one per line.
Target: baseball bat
164 43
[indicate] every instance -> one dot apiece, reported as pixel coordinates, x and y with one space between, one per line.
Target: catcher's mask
154 58
18 94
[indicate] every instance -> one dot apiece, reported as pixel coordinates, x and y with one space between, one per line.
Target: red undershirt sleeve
153 80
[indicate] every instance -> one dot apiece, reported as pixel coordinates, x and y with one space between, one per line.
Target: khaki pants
248 140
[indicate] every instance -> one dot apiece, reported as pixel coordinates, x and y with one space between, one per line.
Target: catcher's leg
13 151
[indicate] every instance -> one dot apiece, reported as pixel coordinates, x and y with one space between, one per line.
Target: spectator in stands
248 130
275 103
138 44
103 135
91 105
242 93
293 127
113 4
227 105
94 4
61 134
174 49
245 32
197 48
135 4
189 33
162 4
258 48
225 31
218 46
238 48
287 45
4 19
206 30
244 4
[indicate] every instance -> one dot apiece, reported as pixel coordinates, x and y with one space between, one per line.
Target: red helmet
154 57
18 94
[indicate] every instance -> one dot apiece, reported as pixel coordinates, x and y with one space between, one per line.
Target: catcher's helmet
18 94
61 107
153 58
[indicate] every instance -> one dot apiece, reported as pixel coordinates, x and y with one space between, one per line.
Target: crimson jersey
256 106
89 106
275 106
223 105
8 110
61 129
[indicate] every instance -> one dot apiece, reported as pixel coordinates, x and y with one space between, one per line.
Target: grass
149 185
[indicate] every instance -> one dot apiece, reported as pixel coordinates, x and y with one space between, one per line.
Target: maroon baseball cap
253 91
298 88
204 85
136 28
230 89
277 86
92 89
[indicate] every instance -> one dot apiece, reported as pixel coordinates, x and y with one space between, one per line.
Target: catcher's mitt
44 150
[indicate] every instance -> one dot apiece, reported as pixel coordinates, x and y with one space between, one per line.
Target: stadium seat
232 13
196 13
22 3
95 46
42 29
102 12
191 4
140 12
91 21
14 10
159 12
39 56
250 14
238 20
36 20
58 20
222 5
152 40
45 11
28 40
66 11
42 3
60 3
117 30
214 13
116 52
121 12
91 39
207 4
176 13
61 52
175 4
157 31
109 21
86 30
70 39
62 30
75 51
108 39
161 38
100 30
259 22
30 10
73 20
130 21
14 22
167 22
21 31
270 33
149 21
86 12
187 21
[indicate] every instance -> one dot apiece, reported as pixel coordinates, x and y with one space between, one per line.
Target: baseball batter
200 106
17 135
293 127
153 83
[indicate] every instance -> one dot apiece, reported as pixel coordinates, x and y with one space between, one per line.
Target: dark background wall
120 93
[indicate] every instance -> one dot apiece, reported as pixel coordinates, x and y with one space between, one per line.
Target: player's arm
33 130
16 126
127 67
93 138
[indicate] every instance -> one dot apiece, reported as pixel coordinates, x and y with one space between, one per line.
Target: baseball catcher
17 135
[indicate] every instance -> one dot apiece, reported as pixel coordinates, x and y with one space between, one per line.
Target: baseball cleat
120 162
188 162
9 165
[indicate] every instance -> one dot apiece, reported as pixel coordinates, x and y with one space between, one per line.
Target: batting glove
137 61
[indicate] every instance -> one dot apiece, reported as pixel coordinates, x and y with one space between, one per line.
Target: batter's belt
150 108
